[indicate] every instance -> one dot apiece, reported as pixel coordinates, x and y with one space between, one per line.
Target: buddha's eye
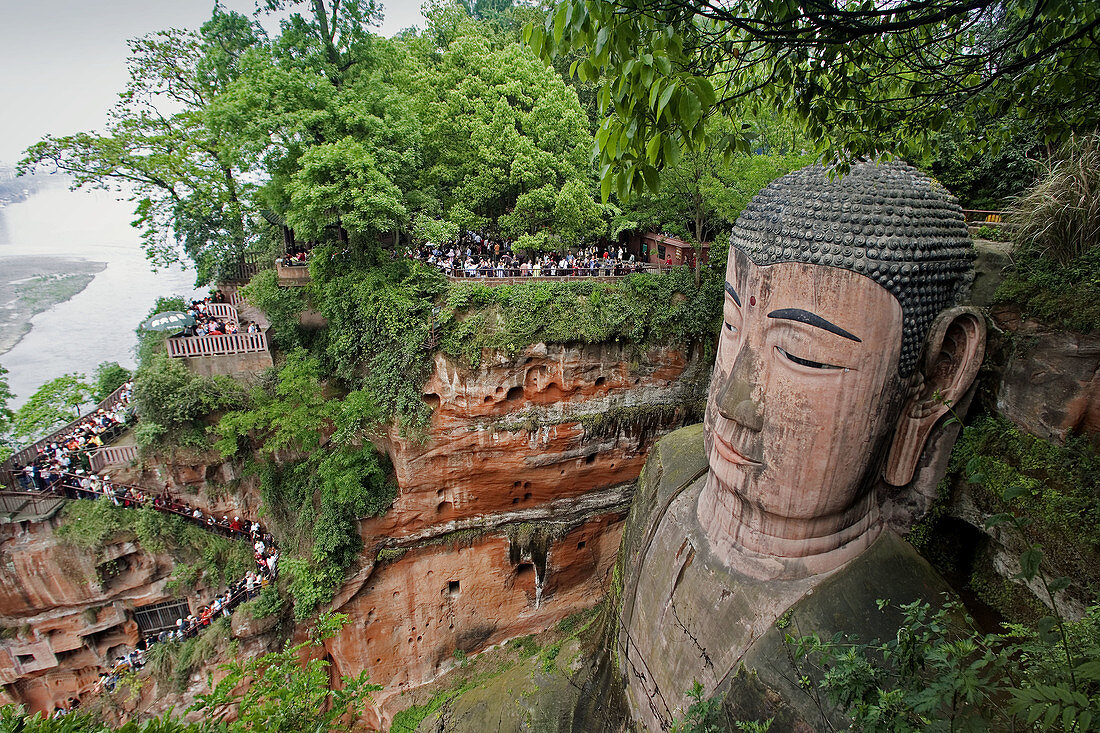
806 362
731 328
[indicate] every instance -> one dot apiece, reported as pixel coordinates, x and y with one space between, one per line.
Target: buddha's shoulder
675 462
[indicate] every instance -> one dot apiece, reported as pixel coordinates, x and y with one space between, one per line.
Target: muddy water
98 323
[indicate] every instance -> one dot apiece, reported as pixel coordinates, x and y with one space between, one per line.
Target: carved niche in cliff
842 349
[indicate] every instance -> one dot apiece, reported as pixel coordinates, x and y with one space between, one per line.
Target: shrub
174 404
109 376
1059 217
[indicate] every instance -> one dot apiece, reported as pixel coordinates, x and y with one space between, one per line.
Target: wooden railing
111 455
979 217
222 311
230 343
242 270
512 276
26 455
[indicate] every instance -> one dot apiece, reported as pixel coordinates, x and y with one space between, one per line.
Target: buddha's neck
738 530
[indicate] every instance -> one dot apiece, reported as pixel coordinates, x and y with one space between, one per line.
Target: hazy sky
62 62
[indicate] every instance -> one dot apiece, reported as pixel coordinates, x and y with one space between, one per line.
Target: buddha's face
804 395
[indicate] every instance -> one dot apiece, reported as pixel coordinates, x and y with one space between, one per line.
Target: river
98 323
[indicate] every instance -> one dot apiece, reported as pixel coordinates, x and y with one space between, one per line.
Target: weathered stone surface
694 618
69 610
992 259
467 595
1051 384
511 433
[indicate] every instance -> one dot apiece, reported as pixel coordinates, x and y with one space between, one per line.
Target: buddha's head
842 349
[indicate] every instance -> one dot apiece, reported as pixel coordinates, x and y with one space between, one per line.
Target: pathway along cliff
47 476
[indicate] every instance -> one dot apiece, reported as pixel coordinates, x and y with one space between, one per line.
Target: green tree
6 444
861 79
278 693
109 376
54 404
506 145
184 171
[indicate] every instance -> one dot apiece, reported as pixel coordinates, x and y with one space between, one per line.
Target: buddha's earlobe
953 354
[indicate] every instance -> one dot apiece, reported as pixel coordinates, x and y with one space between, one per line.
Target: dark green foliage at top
989 179
109 376
1058 488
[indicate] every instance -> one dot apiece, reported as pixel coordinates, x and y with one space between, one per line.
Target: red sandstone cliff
509 514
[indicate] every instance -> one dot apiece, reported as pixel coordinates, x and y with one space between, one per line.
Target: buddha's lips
730 454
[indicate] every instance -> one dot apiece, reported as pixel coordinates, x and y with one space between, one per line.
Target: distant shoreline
32 284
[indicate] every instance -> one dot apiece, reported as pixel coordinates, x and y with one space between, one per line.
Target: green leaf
1014 492
1029 563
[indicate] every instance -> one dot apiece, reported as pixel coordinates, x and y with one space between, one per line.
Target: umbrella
168 321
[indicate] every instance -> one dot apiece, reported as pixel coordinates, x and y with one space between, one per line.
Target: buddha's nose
735 401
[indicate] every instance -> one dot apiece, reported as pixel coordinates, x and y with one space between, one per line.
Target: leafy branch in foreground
275 693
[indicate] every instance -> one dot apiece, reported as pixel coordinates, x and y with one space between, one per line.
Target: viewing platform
977 218
292 276
240 354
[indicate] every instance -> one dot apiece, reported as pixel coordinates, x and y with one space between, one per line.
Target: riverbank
30 285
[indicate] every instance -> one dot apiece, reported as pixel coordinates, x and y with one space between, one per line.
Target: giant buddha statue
843 347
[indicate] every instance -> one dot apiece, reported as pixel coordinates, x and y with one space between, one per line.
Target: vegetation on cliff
1056 259
276 692
203 559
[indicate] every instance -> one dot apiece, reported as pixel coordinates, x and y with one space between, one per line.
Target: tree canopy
861 78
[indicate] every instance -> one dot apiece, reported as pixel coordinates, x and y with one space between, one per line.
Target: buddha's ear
952 356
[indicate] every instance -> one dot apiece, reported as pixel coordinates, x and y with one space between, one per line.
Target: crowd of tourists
297 255
207 324
476 256
61 468
71 450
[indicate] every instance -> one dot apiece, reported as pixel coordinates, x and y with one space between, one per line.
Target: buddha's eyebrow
733 294
812 319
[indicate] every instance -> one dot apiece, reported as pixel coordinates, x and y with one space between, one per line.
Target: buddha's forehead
889 223
841 295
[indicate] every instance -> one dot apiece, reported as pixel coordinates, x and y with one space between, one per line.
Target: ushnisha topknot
887 221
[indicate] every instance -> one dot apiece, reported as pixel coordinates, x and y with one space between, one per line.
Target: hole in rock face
439 492
589 460
499 390
444 507
452 587
526 484
525 572
601 381
581 544
432 399
515 484
488 399
515 393
515 499
552 392
527 496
